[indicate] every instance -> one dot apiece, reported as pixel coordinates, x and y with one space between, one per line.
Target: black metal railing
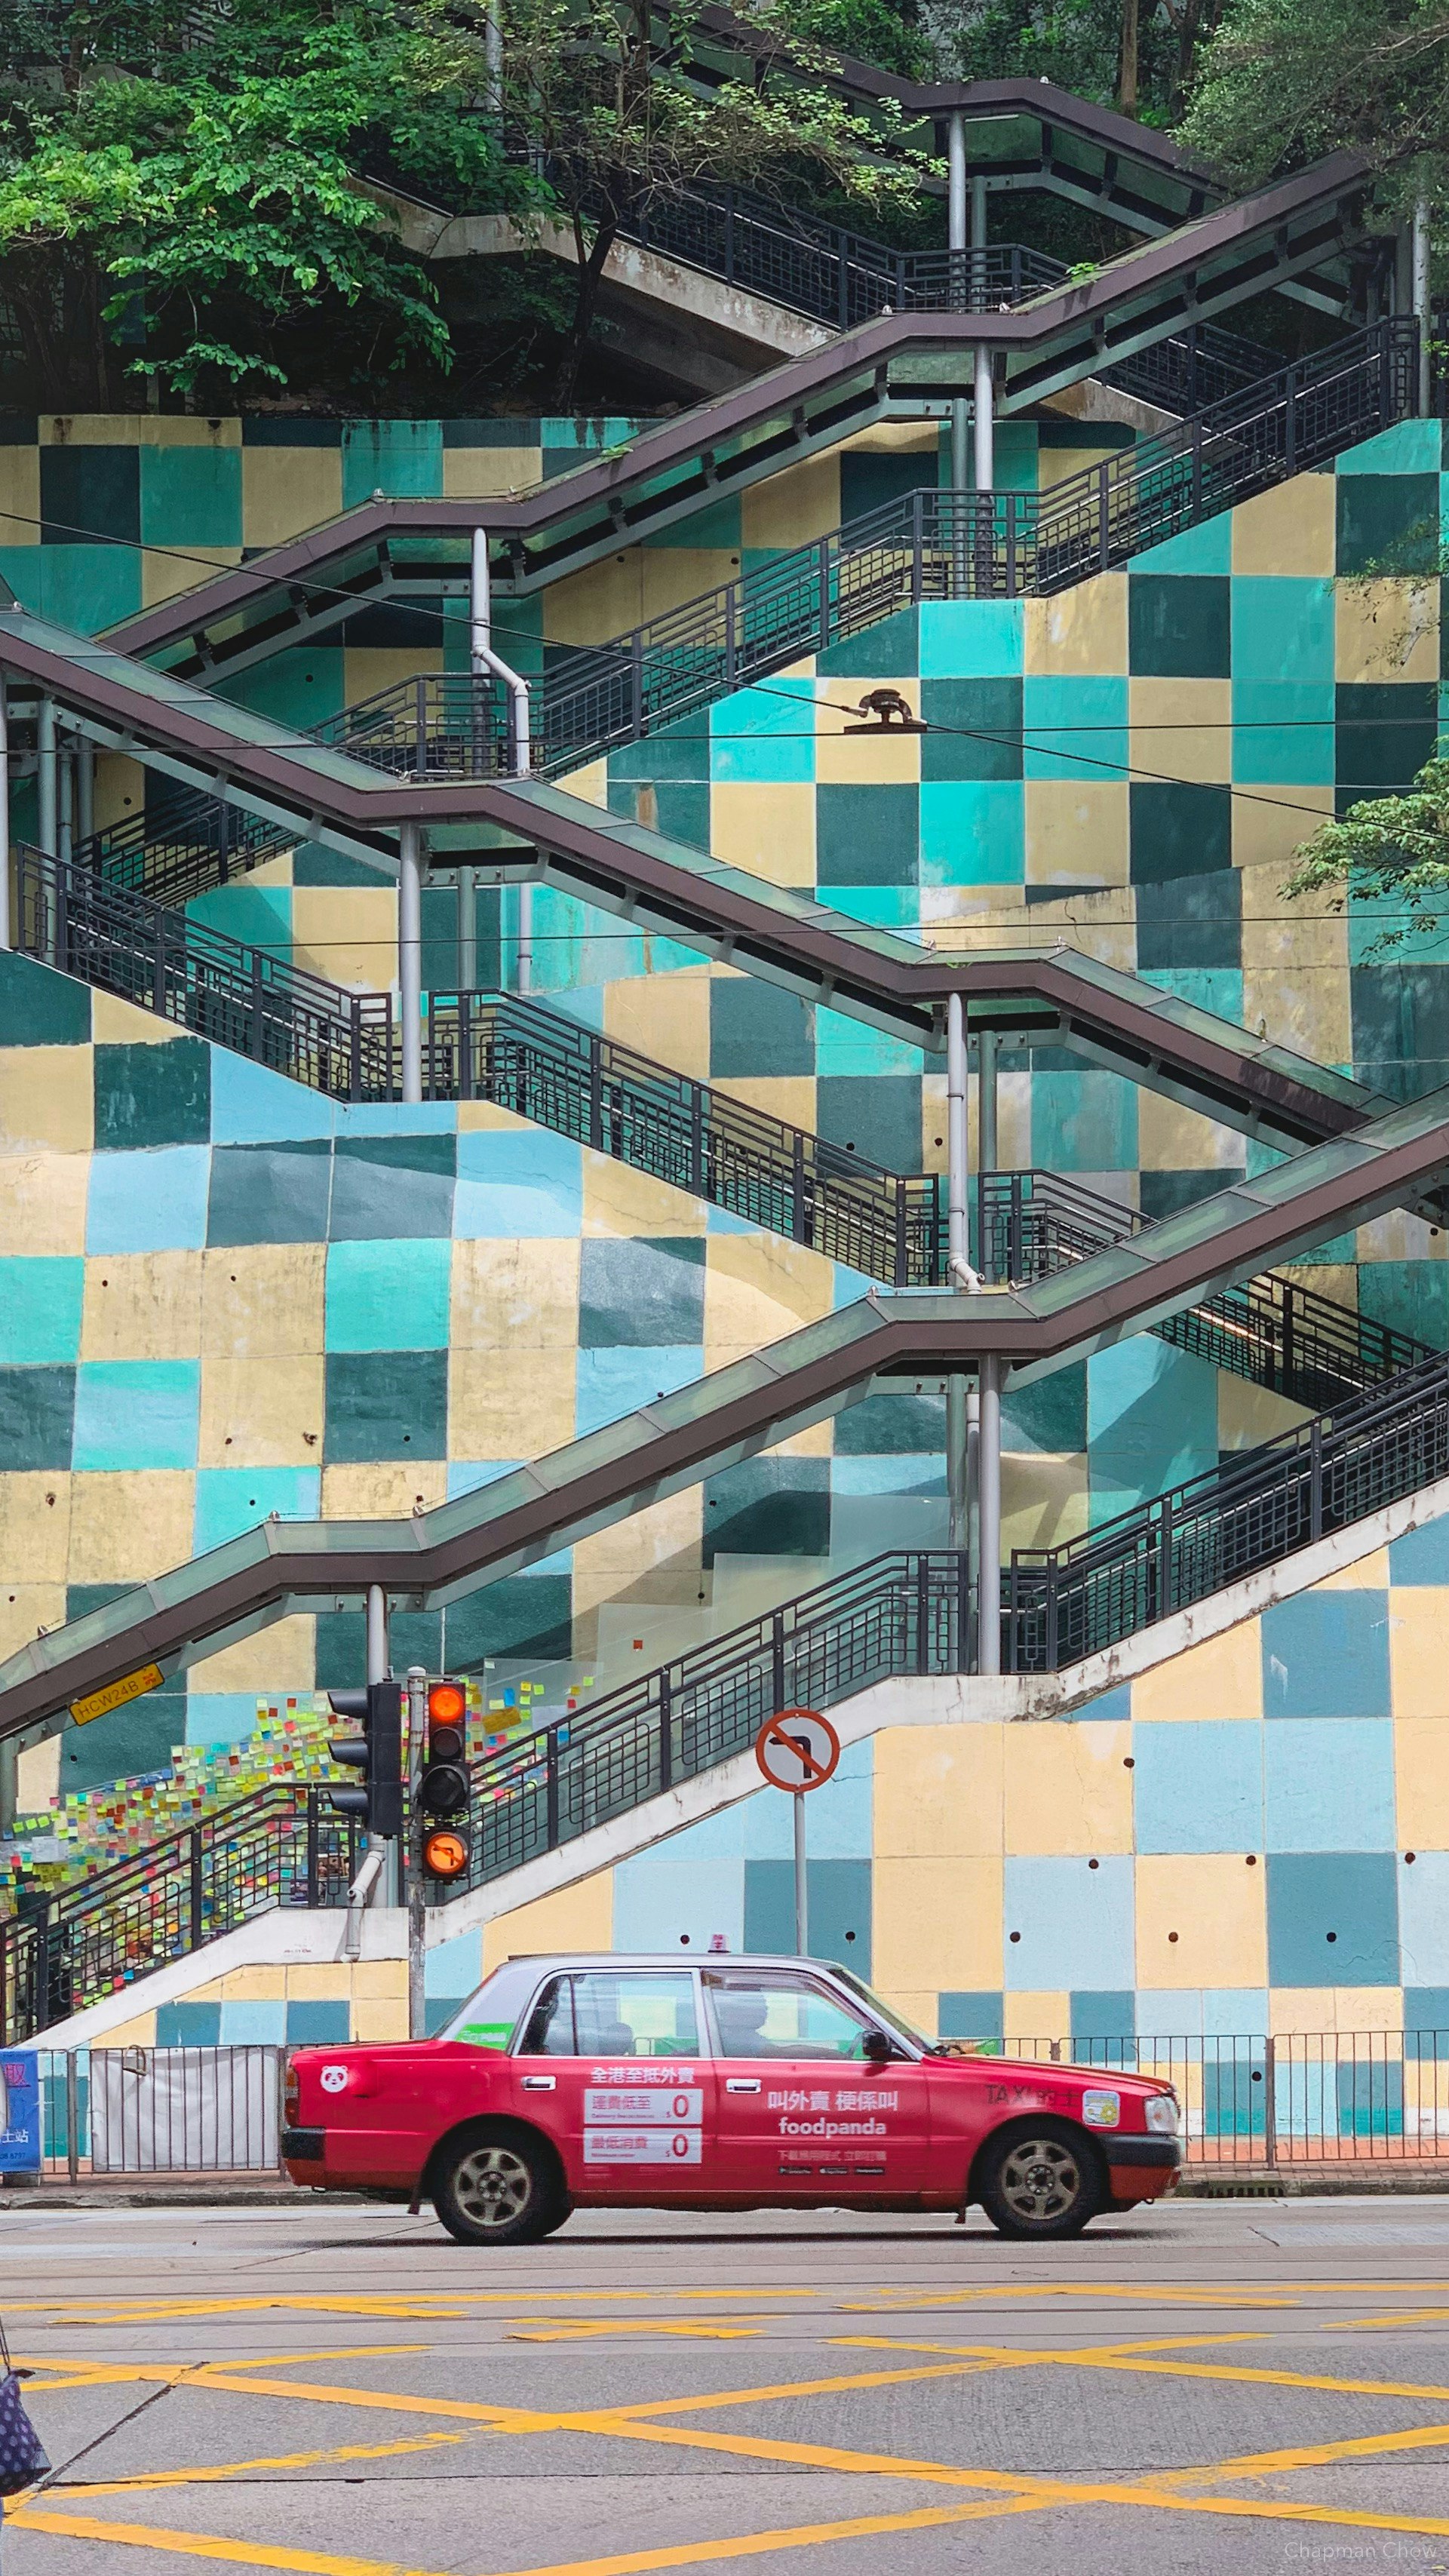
193 842
66 1951
926 545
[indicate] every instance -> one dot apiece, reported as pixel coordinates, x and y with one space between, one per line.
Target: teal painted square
188 2025
527 1183
89 587
1410 447
152 1095
1328 1784
1048 1417
1104 2023
635 1292
1083 1122
1352 1896
89 491
1326 1654
770 1506
963 2015
389 1296
398 457
1283 734
612 1382
1282 627
866 836
1411 1296
40 1310
839 1898
136 1413
871 478
260 915
718 524
889 651
39 1007
879 907
300 689
253 2021
1061 1909
756 1029
389 1184
386 1404
37 1414
319 2024
1178 626
148 1202
876 1115
1198 1785
1387 523
973 832
1152 1421
1179 828
765 736
979 732
972 639
1205 549
1421 1556
846 1046
191 496
1075 728
1189 922
269 1193
1218 989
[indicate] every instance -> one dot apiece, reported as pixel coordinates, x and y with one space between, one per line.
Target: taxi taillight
291 2094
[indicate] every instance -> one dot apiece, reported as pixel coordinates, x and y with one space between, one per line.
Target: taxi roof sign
147 1677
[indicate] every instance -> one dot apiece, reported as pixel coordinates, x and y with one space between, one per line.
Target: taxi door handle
742 2084
539 2083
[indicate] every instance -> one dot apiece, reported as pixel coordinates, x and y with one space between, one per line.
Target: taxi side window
635 2014
781 2016
550 2031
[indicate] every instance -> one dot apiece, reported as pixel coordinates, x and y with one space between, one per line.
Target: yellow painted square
489 473
944 1910
1421 1778
34 1526
120 792
1221 1677
259 1982
20 495
118 1023
279 1658
671 576
591 785
1077 833
507 1404
514 1294
665 1017
767 830
382 1489
380 1981
790 1096
572 1918
1174 1138
604 600
89 429
1216 1906
37 1766
1367 1573
319 1981
1059 464
29 1610
1298 2009
287 489
874 759
1043 1499
1385 630
1080 631
263 1301
43 1203
1292 529
129 1524
937 1795
47 1099
1418 1661
165 576
1043 2017
369 669
619 1200
1249 1415
137 2033
262 1412
758 1287
1269 825
380 2024
646 1551
1182 729
142 1306
1067 1789
347 933
793 507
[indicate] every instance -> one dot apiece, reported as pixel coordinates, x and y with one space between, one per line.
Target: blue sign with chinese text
19 2113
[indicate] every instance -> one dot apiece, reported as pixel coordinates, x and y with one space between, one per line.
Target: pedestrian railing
128 2110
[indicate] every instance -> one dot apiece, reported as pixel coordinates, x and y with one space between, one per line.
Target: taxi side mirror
876 2048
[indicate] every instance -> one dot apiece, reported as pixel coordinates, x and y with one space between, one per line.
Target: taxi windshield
886 2013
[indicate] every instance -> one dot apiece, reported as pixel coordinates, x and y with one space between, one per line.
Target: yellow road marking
588 2329
203 2545
144 2479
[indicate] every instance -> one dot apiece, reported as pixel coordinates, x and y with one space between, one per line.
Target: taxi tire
1070 2163
520 2164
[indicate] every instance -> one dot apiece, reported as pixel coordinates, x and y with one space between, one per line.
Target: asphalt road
1252 2384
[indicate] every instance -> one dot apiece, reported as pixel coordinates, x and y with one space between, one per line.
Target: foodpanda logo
334 2079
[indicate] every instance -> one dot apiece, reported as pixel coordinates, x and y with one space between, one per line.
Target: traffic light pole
377 1671
417 1699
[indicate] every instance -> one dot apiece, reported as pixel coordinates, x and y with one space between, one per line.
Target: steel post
6 923
467 930
989 1481
1423 307
378 1668
45 779
802 1882
987 1143
410 958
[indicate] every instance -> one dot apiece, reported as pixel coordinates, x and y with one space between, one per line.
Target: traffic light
377 1753
443 1792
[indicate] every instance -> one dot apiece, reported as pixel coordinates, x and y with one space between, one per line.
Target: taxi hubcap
493 2186
1040 2179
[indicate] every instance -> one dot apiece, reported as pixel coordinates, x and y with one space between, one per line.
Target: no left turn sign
797 1750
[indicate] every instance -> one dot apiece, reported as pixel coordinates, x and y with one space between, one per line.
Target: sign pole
797 1750
802 1893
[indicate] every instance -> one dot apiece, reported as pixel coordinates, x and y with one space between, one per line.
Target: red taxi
612 2082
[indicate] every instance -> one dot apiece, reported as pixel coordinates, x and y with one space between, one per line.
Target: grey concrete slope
436 1556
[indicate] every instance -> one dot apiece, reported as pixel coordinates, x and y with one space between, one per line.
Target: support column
65 781
958 1175
1423 305
987 1141
45 779
957 244
984 424
390 1890
85 787
410 959
988 1615
520 750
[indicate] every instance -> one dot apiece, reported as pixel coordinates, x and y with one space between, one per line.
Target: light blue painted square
1283 733
1422 1555
717 1837
658 1900
765 734
972 639
1410 447
973 831
1109 1708
893 1472
1283 628
1152 1421
220 1717
136 1413
1198 1785
1170 2012
253 2023
517 1182
1328 1784
466 1475
850 1046
837 1817
153 1201
1326 1654
391 1118
40 1310
389 1296
455 1967
891 907
1074 728
251 1105
1205 548
230 1500
1083 1122
1235 2012
1069 1915
615 1382
1424 1919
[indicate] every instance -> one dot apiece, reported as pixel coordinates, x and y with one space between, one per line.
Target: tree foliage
1284 81
1391 851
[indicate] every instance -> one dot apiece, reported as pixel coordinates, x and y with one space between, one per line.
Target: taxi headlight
1162 2114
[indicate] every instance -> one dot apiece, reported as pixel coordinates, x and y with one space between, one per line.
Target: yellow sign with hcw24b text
115 1695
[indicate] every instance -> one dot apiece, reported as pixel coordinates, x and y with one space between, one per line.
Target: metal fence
1308 2098
159 2110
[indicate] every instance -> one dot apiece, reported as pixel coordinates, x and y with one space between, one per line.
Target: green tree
1391 851
1284 81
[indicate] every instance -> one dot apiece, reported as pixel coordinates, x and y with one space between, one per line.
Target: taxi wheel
1041 2179
497 2188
